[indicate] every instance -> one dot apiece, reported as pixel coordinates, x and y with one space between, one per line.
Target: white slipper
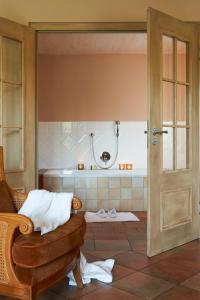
112 213
101 213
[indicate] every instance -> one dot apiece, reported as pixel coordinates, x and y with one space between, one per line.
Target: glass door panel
168 103
12 105
168 51
181 105
12 60
181 61
168 149
181 148
12 143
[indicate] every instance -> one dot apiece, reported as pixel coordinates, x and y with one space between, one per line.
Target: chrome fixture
105 157
156 131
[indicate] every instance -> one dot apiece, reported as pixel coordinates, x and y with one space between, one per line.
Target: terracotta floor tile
136 234
190 259
193 282
143 285
104 254
120 272
88 245
112 245
89 256
89 236
180 293
138 245
194 245
49 295
133 260
169 271
110 293
110 236
72 292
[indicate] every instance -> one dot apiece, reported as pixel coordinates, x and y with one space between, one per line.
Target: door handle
156 131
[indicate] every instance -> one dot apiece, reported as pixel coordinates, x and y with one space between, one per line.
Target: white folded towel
47 210
100 270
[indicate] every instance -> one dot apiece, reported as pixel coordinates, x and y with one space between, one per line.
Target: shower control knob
105 156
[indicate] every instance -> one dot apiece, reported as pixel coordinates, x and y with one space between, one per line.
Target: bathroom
92 115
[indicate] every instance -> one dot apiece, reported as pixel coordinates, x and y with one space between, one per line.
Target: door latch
156 131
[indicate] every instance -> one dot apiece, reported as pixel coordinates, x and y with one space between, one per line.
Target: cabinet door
17 103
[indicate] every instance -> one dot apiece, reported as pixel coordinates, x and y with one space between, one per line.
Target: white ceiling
92 43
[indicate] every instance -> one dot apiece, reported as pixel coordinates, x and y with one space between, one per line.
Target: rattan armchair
13 226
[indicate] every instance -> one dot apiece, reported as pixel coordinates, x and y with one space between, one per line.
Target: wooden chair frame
9 223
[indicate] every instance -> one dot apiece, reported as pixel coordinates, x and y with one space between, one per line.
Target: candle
129 166
80 166
122 166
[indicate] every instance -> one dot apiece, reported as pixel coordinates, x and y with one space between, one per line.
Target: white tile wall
64 144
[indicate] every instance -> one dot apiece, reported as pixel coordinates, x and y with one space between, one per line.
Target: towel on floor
100 270
47 210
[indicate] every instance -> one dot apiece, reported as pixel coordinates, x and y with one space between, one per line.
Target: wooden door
173 137
17 103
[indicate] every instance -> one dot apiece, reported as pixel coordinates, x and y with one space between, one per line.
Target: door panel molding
176 208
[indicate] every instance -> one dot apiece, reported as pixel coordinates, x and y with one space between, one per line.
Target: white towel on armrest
47 210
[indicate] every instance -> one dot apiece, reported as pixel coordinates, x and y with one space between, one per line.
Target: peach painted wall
92 87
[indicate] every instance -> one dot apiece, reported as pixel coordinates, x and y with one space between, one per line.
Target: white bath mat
121 217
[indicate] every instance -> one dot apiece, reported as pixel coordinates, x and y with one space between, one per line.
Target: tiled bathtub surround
65 144
123 193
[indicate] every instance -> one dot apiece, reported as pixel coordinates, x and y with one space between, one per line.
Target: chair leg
31 294
77 274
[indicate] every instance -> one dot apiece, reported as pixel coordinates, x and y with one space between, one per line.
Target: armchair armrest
76 203
9 223
13 221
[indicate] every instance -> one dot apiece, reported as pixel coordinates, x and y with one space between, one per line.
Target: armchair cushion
34 250
63 264
6 199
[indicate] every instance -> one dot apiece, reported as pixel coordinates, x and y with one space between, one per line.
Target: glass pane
181 104
168 149
12 143
12 105
181 148
167 57
12 60
168 97
181 61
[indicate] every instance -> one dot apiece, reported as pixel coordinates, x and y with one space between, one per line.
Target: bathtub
126 190
95 173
